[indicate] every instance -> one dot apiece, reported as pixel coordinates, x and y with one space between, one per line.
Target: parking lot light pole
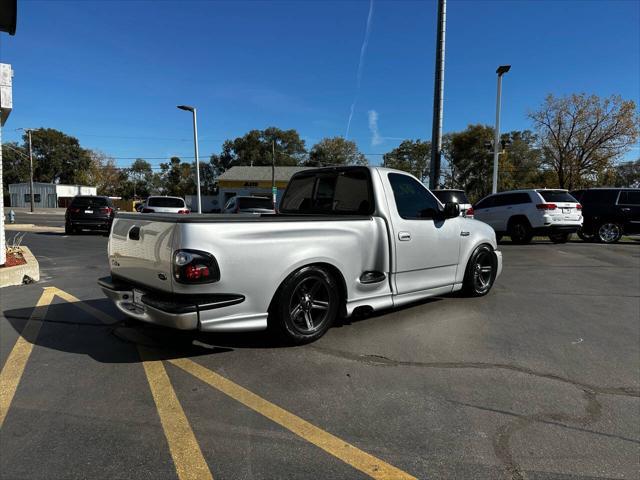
195 146
502 69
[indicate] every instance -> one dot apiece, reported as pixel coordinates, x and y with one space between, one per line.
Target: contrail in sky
363 51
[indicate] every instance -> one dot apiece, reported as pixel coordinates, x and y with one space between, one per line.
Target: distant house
241 181
46 195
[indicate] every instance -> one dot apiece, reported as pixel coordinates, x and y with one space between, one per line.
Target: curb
30 227
27 273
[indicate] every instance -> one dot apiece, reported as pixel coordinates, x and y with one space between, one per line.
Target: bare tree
582 135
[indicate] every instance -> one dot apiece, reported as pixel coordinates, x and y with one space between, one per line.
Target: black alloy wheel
307 304
520 232
481 272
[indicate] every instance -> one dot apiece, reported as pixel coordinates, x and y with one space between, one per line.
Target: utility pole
438 93
31 170
274 190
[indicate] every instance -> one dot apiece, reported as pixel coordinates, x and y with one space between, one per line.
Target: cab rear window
556 196
332 192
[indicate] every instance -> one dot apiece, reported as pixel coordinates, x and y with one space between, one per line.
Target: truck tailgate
140 250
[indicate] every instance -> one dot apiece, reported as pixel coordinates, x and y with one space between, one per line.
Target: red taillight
194 266
196 272
469 212
546 206
183 211
578 206
148 210
106 210
237 210
74 210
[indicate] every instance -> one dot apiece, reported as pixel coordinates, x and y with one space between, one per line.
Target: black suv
89 212
609 213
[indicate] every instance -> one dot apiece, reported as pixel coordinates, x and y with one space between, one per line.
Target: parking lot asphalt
538 380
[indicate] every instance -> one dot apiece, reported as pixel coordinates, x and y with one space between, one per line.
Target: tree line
574 141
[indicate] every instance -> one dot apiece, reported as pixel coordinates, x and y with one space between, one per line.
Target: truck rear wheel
306 305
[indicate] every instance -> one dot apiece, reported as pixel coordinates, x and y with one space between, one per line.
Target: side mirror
451 210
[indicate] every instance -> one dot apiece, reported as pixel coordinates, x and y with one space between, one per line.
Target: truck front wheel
481 272
306 305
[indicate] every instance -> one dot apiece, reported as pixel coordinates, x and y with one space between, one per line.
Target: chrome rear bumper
161 308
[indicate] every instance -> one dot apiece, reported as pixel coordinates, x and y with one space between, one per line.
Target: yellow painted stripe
185 451
17 361
103 317
372 466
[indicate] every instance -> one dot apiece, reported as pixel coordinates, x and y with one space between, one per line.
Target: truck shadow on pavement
114 338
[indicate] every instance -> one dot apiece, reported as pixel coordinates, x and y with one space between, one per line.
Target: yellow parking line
185 451
372 466
183 446
17 361
103 317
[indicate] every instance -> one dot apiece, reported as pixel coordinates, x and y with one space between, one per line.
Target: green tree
469 160
178 178
520 164
335 151
140 175
106 176
15 164
256 146
412 156
582 135
58 157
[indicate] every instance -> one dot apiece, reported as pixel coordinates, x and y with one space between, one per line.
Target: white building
46 195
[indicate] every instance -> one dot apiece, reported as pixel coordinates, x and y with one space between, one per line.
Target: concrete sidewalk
37 211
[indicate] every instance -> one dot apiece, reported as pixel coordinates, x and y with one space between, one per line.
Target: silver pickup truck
345 239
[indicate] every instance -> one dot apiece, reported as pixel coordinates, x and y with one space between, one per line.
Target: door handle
625 209
464 234
404 236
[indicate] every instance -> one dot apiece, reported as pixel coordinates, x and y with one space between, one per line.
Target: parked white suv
165 205
521 214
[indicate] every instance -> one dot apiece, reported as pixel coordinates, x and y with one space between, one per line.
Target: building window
36 197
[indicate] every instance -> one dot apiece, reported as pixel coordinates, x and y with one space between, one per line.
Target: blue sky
111 72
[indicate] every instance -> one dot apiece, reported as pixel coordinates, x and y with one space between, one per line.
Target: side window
522 198
485 203
413 200
629 197
607 197
230 203
504 199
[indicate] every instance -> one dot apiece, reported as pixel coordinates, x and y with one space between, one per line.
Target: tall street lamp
502 69
195 145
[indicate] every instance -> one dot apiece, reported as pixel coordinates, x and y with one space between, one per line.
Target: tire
609 232
587 237
480 273
560 237
306 305
520 231
68 229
